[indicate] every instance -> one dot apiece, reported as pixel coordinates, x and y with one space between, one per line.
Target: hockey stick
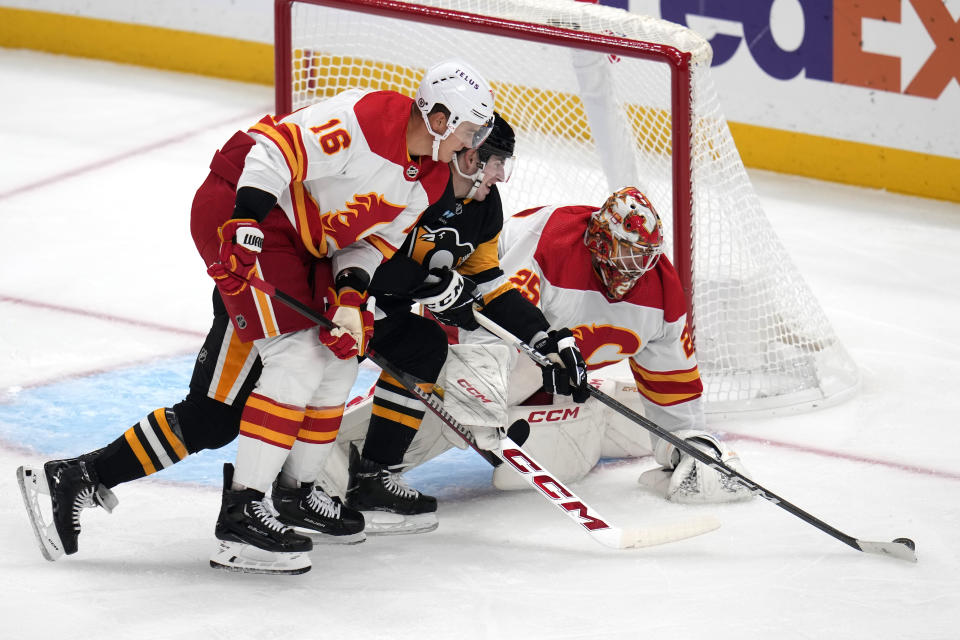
520 461
902 548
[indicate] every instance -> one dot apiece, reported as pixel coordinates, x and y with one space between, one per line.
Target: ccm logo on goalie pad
554 415
469 388
552 488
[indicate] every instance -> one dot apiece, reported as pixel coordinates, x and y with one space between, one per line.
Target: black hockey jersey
461 235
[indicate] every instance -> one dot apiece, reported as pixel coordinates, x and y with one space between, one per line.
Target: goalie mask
494 159
468 98
625 240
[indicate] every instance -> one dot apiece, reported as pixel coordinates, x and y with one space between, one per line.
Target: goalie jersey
543 252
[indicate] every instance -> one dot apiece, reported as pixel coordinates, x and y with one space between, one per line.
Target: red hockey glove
569 377
240 242
354 324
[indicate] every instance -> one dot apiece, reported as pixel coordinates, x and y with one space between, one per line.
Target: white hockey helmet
625 240
462 92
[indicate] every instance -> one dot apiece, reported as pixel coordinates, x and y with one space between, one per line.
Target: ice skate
313 513
389 506
252 539
72 485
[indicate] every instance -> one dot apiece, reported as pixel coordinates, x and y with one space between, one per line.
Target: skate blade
246 558
385 523
33 482
325 538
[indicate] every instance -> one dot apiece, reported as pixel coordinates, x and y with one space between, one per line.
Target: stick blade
650 536
901 550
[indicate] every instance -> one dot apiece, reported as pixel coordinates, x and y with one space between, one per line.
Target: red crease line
101 316
180 137
828 453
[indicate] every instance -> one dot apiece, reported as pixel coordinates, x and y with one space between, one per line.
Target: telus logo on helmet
468 79
552 488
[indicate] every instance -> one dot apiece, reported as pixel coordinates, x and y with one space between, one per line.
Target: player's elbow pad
253 203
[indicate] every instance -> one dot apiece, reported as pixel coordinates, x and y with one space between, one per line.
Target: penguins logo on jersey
437 248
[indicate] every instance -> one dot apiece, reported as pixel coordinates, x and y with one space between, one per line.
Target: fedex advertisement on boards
876 71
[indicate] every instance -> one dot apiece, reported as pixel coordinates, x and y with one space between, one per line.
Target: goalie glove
568 376
240 242
685 480
449 297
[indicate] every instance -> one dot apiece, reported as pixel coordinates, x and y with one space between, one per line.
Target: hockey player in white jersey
312 202
601 272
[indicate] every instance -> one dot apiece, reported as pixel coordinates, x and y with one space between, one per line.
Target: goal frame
680 87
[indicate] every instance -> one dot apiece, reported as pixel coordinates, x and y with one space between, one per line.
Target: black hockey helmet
500 142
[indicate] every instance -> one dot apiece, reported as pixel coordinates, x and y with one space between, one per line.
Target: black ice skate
389 506
72 485
317 515
252 539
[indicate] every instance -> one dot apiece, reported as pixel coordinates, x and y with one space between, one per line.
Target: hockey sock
314 440
268 430
152 444
397 415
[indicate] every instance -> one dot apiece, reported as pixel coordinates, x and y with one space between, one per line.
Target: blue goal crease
70 417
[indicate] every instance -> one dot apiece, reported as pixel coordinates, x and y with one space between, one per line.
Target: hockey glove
353 324
240 242
685 479
449 297
568 376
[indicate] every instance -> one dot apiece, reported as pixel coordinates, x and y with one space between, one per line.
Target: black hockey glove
570 378
449 297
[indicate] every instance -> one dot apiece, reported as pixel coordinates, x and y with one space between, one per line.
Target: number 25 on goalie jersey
543 252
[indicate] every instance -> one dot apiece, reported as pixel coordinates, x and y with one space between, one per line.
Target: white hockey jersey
543 253
341 173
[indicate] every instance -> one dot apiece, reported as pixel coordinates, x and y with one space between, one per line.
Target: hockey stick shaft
897 549
521 461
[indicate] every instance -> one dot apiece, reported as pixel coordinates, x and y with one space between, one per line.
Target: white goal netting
590 116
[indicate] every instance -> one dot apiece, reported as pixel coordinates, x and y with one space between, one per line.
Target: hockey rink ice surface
104 302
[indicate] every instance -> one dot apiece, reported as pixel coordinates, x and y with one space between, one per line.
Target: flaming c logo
362 214
605 344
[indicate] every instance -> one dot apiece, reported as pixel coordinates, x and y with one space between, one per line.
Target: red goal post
601 98
679 62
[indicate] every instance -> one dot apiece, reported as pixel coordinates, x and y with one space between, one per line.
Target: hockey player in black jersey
448 262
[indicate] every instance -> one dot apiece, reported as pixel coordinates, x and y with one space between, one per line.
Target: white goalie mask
625 240
465 94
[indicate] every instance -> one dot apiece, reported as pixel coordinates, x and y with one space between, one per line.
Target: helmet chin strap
473 190
477 177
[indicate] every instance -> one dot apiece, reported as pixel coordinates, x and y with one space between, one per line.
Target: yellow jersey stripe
395 416
161 416
139 451
678 376
267 435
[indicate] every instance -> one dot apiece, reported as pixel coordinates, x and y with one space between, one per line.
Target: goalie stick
523 463
902 548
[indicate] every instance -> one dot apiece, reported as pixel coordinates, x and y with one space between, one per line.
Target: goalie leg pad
624 438
475 384
565 438
685 480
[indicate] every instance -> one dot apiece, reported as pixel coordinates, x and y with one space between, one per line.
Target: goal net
601 98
